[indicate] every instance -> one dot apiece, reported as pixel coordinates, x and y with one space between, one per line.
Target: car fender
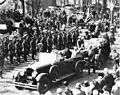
40 75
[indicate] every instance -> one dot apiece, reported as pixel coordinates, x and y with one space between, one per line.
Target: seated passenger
75 52
67 53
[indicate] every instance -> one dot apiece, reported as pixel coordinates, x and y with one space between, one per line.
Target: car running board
24 85
63 77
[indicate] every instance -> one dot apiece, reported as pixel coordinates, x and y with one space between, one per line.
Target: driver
66 53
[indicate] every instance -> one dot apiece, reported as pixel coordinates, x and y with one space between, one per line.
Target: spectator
117 74
105 91
108 79
59 91
95 92
86 87
78 90
48 93
67 90
116 88
96 85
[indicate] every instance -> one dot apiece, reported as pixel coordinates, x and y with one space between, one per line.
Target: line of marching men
23 46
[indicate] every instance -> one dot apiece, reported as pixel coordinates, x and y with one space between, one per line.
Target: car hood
44 60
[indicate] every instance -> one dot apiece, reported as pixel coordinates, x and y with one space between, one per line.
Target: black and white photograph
59 47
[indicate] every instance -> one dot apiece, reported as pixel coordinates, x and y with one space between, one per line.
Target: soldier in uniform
64 40
18 50
25 48
49 43
11 51
69 40
60 42
54 40
44 44
74 39
33 48
5 46
2 57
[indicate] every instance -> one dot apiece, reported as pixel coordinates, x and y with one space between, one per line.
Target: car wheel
43 84
54 73
79 68
18 79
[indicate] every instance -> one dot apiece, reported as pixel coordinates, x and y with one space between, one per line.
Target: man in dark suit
108 80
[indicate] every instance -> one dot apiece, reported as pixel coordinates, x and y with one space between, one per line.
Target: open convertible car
50 68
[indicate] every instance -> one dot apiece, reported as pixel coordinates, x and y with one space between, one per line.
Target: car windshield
44 59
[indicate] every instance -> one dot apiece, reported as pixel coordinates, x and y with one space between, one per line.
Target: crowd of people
49 32
107 83
10 14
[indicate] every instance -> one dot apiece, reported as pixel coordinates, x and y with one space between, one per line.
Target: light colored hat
79 37
95 92
75 48
48 93
118 83
106 70
78 85
59 90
